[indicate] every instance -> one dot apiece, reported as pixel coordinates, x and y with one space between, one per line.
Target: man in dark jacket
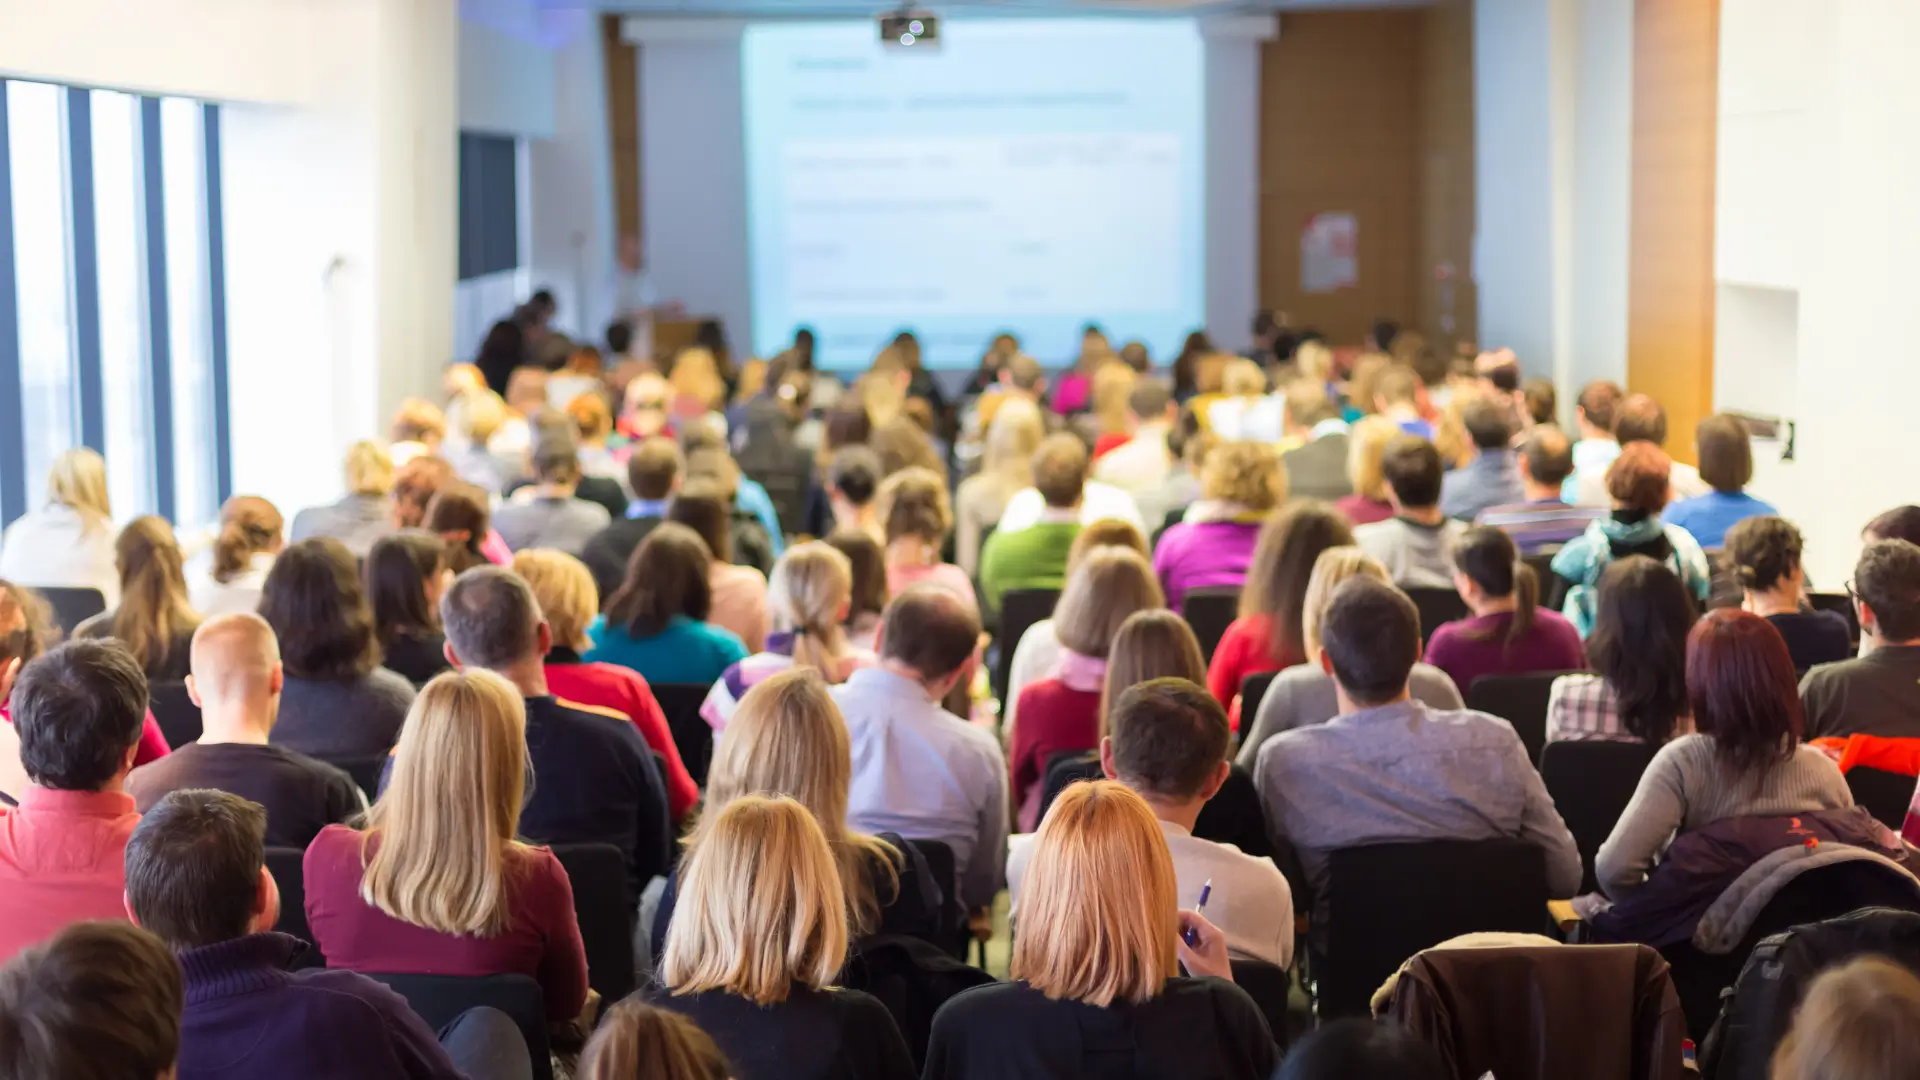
654 471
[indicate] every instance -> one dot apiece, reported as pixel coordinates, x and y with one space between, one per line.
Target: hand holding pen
1202 947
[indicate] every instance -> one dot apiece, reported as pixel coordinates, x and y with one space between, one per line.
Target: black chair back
440 999
1590 784
365 772
71 607
1235 816
1063 770
1269 987
1210 611
692 735
945 872
600 903
1542 563
1389 901
1520 700
1253 690
1019 610
1840 602
290 878
1436 606
1886 795
175 712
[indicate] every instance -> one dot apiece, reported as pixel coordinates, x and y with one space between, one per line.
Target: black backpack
1756 1013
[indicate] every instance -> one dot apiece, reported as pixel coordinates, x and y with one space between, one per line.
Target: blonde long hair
1859 1021
808 593
788 738
153 609
563 587
1087 933
78 480
1366 447
761 906
1335 565
441 862
696 375
636 1039
1113 383
249 525
1012 439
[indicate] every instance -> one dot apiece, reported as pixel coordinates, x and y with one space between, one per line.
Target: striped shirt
742 675
1540 523
1582 708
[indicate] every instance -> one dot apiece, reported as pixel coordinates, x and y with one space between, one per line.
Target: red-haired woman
1745 758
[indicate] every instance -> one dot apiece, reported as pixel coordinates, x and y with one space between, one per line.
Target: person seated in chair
1879 692
1492 478
1639 483
1416 543
1638 418
1167 741
1542 520
549 513
1035 555
236 682
1764 554
1725 447
1391 770
1637 690
100 999
654 472
197 879
1508 633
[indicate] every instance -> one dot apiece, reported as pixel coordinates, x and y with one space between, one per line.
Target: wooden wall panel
1448 307
1339 132
622 68
1670 290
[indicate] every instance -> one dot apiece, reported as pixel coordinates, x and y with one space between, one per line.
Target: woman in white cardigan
68 542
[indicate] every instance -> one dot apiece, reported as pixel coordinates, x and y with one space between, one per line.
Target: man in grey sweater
1416 543
1391 770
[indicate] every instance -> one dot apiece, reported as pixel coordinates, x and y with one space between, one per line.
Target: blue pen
1192 939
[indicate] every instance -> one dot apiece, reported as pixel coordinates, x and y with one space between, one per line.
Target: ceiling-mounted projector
909 29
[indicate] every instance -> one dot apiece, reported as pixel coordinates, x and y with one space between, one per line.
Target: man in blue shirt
1493 476
1726 463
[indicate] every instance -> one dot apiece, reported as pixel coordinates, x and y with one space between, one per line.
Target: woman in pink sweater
1240 484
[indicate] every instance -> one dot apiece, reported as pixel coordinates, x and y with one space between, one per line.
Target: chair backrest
692 735
1436 606
945 872
1019 609
1235 816
1387 902
1520 700
366 773
440 999
1210 611
290 878
1886 795
71 607
175 712
599 876
1063 770
1590 784
1840 602
1253 690
1269 987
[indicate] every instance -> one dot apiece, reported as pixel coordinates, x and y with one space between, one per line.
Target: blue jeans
485 1044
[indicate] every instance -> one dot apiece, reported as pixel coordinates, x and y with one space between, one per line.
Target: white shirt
1098 502
242 594
1261 419
922 772
54 547
1140 464
1251 902
1590 485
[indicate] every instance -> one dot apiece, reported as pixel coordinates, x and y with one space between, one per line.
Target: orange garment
1900 756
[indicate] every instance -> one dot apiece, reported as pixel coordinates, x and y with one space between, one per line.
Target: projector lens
915 27
906 39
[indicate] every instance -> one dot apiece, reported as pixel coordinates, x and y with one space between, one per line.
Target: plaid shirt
1582 708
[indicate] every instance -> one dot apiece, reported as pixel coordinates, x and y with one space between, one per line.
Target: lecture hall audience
1367 441
1637 418
337 703
152 618
737 594
1492 477
653 471
1542 520
1877 693
77 709
549 513
594 777
1034 555
757 943
360 517
1726 465
915 518
1764 556
1305 694
1389 769
197 879
243 552
236 683
810 594
1061 710
1317 464
658 621
1637 690
406 573
1266 636
1744 757
1006 466
1509 633
1143 461
1639 485
1213 544
1096 965
1043 501
1038 651
1416 543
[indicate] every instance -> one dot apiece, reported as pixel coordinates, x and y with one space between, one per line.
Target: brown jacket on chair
1544 1012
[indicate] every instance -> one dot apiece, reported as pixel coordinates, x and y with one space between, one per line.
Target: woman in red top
563 586
1061 713
436 884
1266 636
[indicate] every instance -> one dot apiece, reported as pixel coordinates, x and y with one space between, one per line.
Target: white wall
229 50
1232 58
1817 102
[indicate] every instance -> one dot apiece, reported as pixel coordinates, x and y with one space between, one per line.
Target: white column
1233 45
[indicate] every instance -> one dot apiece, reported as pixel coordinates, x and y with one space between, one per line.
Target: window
113 214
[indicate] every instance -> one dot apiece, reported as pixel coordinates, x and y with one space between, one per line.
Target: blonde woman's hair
1243 378
787 737
1247 473
1367 446
881 394
1110 584
477 414
439 862
1113 384
1315 360
811 584
418 420
1152 644
913 503
1859 1021
636 1040
369 469
1106 532
761 906
78 480
1087 933
1013 438
153 610
563 587
1335 565
1363 381
696 374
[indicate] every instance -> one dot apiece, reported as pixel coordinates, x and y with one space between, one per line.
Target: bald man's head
236 661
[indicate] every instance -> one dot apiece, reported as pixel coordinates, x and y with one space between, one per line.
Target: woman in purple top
1508 633
1240 484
